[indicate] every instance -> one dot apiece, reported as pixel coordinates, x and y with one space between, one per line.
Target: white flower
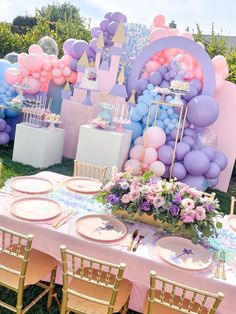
188 202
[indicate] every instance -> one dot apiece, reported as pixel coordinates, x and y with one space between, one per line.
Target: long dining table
138 263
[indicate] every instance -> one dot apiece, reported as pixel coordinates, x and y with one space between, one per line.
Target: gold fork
217 269
223 274
141 237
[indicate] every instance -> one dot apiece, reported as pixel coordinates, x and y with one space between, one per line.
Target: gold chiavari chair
233 200
21 266
89 170
173 298
209 195
95 286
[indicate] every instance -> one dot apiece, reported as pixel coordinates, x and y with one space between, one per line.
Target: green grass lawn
12 169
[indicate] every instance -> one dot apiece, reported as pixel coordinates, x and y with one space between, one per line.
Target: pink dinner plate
183 253
103 228
83 185
232 222
31 185
33 208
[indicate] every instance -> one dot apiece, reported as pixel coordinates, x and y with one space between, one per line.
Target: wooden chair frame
85 274
233 201
216 298
21 251
89 170
209 195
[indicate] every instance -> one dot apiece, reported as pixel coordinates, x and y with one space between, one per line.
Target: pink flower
134 195
125 198
200 213
158 201
187 215
149 197
108 186
188 202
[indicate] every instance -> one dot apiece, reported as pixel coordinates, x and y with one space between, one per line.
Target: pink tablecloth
138 264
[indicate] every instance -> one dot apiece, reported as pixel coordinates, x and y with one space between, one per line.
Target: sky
184 12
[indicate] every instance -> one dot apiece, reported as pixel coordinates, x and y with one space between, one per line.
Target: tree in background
21 24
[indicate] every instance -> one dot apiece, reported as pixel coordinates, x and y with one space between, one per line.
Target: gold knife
63 221
66 214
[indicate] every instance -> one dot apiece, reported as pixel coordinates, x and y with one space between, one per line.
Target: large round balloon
34 62
154 137
67 46
197 182
202 111
196 162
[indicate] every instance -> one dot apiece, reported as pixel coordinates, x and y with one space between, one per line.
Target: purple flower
113 199
145 206
209 207
174 210
177 199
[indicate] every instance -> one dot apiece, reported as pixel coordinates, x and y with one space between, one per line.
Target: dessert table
138 264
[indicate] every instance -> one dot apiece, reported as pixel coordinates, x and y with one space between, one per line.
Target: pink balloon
157 33
73 77
170 52
67 71
34 62
133 166
44 73
145 75
138 141
159 20
173 32
11 75
21 58
55 63
154 137
59 80
43 79
152 66
137 152
66 59
219 63
187 35
56 73
47 65
158 168
34 85
150 155
144 166
225 72
35 49
198 73
52 57
219 81
62 66
36 75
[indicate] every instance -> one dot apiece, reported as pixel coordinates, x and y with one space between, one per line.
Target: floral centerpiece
172 205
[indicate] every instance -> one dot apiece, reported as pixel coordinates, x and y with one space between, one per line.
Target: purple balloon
167 172
112 27
93 44
179 171
196 162
197 182
202 111
67 46
94 31
210 151
171 143
179 77
3 125
4 138
163 69
181 150
213 172
189 140
192 92
78 48
104 24
173 134
8 129
196 83
165 154
142 84
164 84
98 33
167 76
73 64
190 132
108 15
155 78
213 182
221 160
117 17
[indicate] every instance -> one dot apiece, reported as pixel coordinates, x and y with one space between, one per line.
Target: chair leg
125 308
19 302
52 286
64 303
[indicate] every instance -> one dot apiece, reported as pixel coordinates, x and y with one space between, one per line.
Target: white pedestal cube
38 147
103 147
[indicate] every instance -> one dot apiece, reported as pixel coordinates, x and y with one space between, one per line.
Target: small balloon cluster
5 130
37 68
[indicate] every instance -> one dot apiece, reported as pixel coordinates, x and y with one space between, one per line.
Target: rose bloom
188 202
125 199
200 213
187 216
134 195
145 189
158 201
149 197
108 186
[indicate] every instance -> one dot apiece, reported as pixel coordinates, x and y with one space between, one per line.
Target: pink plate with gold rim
83 185
232 222
31 185
33 208
183 253
103 228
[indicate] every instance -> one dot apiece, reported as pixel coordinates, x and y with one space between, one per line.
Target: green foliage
231 61
21 24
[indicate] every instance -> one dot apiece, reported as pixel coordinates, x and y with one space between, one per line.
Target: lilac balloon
94 31
210 151
108 15
142 84
179 171
167 76
179 77
181 150
196 162
171 143
79 47
155 78
165 154
167 172
196 83
3 125
163 69
67 46
189 140
190 132
124 18
172 74
73 64
4 138
221 160
8 129
117 17
104 24
213 172
164 84
197 182
213 182
173 134
192 92
112 27
93 44
98 33
202 111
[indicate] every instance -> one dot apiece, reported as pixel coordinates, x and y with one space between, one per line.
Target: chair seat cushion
98 292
